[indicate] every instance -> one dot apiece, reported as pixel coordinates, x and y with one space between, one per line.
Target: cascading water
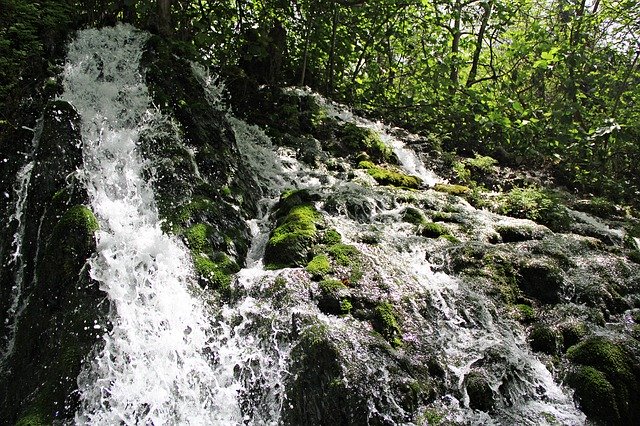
168 358
152 366
21 189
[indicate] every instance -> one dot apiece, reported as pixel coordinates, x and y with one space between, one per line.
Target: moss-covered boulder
543 338
386 323
595 394
391 176
606 380
481 396
541 280
334 297
291 242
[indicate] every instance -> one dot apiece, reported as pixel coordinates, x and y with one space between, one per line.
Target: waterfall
166 356
153 365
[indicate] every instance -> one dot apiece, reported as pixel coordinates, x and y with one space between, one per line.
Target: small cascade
154 363
21 189
406 156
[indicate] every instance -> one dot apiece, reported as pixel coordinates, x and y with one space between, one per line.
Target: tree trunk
164 17
332 51
455 45
476 54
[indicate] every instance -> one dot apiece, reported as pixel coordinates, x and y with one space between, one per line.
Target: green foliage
535 204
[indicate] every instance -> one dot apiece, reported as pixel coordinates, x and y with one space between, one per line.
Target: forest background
550 84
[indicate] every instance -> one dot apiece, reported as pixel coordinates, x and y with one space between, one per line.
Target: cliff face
340 278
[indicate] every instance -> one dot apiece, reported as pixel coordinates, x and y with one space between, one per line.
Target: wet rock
543 338
606 380
541 280
480 394
513 233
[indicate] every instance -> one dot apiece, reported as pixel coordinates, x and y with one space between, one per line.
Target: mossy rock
541 280
595 394
597 206
319 266
519 233
344 254
413 215
543 338
458 190
572 333
216 271
334 298
526 313
481 396
432 230
291 242
391 177
618 367
331 237
354 138
385 322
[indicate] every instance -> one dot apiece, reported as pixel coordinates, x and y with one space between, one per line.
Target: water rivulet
185 251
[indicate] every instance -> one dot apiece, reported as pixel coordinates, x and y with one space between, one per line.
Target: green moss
413 215
344 254
604 355
386 323
572 333
390 177
32 419
291 241
525 313
617 367
365 164
450 238
331 237
331 286
432 230
480 393
452 189
78 218
358 138
345 306
216 272
319 266
197 237
595 394
535 204
543 339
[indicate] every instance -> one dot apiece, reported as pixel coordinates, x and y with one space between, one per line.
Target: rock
480 393
541 280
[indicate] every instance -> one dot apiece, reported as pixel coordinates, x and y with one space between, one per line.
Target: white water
21 189
151 366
